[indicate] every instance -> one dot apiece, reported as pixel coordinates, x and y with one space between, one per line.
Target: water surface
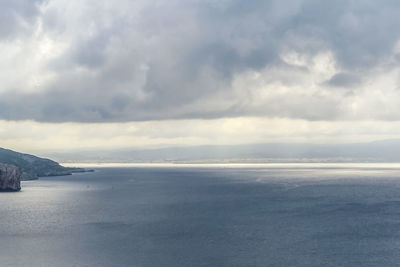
303 215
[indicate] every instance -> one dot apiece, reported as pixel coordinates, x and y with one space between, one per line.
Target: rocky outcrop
10 178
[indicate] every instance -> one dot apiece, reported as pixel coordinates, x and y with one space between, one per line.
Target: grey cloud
17 16
161 60
359 32
344 80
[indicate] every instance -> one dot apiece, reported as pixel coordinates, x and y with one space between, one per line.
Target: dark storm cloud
126 61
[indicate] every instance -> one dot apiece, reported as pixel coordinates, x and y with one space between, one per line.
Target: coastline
386 165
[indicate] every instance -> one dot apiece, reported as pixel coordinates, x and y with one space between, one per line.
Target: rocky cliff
10 178
32 167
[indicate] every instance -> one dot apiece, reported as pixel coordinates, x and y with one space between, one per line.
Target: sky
110 74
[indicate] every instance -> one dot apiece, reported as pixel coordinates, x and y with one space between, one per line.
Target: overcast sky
105 74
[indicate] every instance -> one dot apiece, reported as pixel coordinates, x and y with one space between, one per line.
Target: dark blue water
306 216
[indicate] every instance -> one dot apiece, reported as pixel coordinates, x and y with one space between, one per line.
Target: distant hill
33 167
379 151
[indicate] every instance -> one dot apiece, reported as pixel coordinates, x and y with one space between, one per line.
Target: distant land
378 151
32 167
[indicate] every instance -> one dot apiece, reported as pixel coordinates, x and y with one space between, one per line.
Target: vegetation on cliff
32 167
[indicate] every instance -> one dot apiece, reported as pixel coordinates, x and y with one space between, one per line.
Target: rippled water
303 215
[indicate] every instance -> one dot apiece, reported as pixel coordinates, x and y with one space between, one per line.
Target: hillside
33 167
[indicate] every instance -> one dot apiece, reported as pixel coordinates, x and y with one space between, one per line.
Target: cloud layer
40 138
116 61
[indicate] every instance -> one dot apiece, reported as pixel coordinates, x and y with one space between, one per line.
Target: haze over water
305 215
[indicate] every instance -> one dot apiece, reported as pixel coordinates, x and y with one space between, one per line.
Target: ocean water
269 215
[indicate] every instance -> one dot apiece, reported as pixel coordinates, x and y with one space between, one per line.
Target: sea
206 215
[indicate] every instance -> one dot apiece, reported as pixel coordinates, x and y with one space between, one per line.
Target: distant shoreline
236 165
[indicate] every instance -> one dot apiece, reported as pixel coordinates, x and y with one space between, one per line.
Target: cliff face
10 178
33 167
